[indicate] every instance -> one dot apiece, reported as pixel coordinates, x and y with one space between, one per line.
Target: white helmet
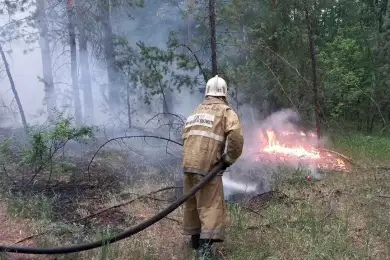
216 87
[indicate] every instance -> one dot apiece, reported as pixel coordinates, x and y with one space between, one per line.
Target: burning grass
298 147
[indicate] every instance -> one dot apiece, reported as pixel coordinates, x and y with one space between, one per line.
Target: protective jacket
212 125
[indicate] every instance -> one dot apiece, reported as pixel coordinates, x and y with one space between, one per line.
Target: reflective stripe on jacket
210 126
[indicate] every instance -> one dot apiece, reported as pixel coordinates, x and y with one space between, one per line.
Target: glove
225 164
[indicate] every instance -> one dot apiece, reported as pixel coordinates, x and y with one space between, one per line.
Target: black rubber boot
195 241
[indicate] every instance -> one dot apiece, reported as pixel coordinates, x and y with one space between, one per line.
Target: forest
94 95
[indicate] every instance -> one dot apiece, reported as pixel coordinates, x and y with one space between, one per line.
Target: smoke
26 69
151 25
27 72
285 120
251 176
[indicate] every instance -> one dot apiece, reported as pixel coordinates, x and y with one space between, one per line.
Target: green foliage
44 144
263 51
5 151
347 78
157 72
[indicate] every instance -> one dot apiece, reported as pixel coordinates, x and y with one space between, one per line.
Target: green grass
37 207
364 148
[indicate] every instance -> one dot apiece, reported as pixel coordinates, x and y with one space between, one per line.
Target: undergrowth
342 216
37 207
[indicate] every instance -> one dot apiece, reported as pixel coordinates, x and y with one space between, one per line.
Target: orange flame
274 146
293 146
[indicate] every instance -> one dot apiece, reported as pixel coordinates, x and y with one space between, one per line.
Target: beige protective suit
211 125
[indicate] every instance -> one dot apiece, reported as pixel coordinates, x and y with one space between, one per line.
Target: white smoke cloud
284 119
27 68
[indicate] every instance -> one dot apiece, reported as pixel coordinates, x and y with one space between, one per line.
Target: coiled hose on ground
125 234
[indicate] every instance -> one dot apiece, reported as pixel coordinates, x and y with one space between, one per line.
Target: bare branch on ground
106 210
127 137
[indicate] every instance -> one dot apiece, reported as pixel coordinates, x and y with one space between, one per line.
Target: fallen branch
128 194
103 211
123 204
174 220
127 137
9 177
383 168
268 195
383 196
156 199
251 210
170 114
29 237
336 153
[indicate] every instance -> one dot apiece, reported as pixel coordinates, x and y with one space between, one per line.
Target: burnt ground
74 192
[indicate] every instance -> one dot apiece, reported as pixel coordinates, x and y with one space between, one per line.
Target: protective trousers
205 212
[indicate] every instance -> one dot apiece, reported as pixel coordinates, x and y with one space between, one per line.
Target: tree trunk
274 41
213 40
244 48
109 53
165 96
189 23
387 9
73 55
44 43
384 8
129 121
11 81
272 4
314 70
86 77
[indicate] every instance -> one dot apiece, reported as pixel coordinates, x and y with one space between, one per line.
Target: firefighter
211 133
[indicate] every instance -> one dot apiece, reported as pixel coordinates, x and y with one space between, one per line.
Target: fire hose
125 234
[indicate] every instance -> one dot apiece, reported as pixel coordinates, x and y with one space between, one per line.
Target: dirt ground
11 231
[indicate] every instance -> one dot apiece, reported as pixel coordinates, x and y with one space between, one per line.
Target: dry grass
11 230
342 216
339 217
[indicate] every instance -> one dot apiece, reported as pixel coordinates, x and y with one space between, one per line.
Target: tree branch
127 137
